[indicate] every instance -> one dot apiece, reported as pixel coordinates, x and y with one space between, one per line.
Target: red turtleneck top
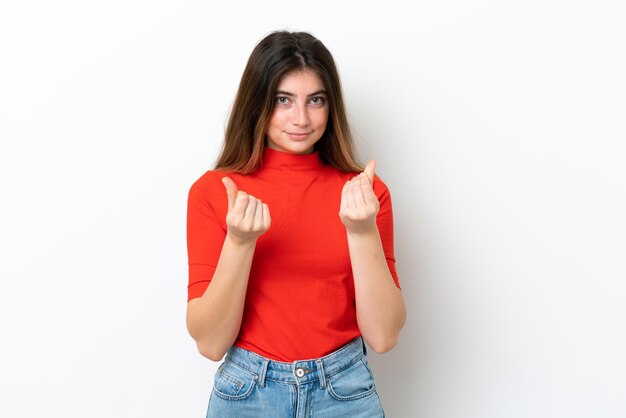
300 302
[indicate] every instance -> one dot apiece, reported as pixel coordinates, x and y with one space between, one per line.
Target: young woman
290 243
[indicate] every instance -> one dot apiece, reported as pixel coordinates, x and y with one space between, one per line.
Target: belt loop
261 381
320 370
364 348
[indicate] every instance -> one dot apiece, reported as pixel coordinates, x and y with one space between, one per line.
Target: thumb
369 171
231 191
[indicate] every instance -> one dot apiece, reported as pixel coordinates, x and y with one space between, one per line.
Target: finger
258 215
240 204
344 196
361 185
352 202
369 171
231 191
250 210
368 194
266 216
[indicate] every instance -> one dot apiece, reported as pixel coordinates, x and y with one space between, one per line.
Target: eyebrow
286 93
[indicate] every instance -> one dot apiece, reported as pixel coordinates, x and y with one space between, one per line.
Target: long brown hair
280 53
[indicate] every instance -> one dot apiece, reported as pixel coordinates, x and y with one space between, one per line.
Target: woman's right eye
282 100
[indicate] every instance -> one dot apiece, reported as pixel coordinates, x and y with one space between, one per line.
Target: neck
284 160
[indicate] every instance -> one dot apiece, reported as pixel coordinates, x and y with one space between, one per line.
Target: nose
301 115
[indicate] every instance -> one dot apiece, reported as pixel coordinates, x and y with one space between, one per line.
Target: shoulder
212 177
379 184
381 190
208 183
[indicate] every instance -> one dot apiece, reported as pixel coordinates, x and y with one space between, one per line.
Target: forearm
379 303
214 319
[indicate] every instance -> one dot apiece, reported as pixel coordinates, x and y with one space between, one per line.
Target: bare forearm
379 303
214 319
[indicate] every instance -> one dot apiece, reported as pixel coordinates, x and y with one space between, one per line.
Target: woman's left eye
318 100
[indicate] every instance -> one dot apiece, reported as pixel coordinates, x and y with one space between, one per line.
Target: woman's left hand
359 204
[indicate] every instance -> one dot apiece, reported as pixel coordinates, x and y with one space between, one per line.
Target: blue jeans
340 384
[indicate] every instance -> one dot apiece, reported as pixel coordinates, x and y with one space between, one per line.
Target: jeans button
299 372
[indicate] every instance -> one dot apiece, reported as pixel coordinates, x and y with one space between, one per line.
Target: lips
298 135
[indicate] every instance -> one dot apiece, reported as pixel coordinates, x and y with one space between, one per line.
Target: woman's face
300 113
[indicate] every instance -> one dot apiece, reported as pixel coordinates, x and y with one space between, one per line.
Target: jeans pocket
353 382
233 382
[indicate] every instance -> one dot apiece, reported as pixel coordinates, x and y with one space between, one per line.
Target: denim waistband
299 371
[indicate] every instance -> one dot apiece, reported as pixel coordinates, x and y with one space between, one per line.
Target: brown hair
276 55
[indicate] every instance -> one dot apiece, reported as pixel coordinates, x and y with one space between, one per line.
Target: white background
498 126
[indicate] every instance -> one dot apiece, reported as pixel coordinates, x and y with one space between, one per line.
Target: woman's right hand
247 217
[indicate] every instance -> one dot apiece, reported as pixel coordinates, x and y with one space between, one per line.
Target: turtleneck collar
284 160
